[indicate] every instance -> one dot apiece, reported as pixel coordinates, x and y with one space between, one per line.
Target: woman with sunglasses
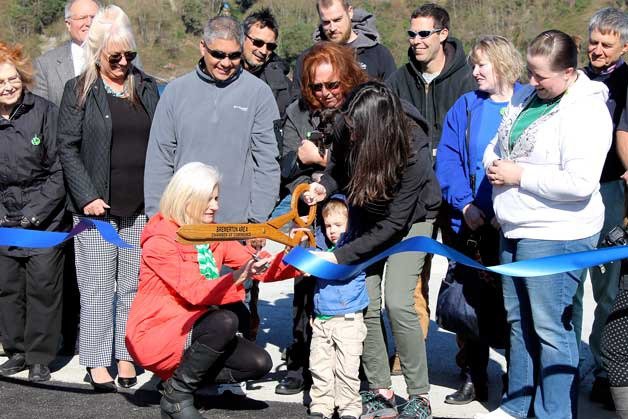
330 71
31 197
381 160
104 123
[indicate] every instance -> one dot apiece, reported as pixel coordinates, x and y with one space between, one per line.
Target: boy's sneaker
378 404
418 407
348 417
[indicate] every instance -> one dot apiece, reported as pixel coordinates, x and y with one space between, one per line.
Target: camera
322 136
617 236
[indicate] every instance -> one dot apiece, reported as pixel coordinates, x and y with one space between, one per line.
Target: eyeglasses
258 43
82 17
11 81
423 34
117 57
221 55
331 85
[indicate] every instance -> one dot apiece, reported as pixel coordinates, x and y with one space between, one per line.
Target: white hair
186 197
67 13
110 26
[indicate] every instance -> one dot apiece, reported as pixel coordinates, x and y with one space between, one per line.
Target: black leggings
241 359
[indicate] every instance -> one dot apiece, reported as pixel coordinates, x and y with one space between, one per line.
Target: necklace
112 92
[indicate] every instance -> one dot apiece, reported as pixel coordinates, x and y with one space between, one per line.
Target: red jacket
172 293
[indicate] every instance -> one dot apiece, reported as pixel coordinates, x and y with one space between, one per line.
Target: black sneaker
316 415
375 405
418 407
15 364
38 373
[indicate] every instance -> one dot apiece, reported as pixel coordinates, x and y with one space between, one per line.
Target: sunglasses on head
221 55
423 34
331 85
258 43
117 57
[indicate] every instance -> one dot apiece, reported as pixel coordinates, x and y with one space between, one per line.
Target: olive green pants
402 276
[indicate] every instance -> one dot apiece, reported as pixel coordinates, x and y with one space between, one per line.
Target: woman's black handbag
470 302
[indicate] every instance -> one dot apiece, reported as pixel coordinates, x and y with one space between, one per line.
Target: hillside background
167 31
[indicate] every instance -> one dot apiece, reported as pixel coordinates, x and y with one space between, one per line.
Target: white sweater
562 155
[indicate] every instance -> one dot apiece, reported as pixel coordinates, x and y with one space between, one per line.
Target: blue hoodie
338 297
452 159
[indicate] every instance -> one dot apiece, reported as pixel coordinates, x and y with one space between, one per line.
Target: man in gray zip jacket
222 116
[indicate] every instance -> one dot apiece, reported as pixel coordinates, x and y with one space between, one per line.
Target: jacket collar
201 72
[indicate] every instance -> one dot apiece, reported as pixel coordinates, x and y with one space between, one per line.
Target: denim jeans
282 207
543 369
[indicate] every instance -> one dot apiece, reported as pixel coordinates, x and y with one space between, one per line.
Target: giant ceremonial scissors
204 233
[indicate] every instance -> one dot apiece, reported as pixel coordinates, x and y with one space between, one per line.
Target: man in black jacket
608 42
261 32
437 72
342 24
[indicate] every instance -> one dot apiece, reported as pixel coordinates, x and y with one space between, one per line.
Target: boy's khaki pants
334 363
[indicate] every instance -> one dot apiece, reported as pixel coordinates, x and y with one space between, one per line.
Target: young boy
338 329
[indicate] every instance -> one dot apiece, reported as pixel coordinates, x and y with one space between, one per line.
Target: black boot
178 391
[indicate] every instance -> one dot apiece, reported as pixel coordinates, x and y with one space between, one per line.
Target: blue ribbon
40 239
305 261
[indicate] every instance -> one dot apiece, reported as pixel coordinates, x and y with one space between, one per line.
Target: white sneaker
237 389
495 414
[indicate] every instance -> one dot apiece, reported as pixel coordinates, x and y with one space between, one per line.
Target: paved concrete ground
68 395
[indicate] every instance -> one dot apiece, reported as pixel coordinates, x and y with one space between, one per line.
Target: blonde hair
186 197
15 55
110 26
335 206
506 60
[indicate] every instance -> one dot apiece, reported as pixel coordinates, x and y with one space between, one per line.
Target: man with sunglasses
340 23
259 58
437 73
222 116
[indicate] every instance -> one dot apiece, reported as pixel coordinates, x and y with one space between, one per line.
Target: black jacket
384 223
275 74
298 122
84 138
617 83
434 100
31 180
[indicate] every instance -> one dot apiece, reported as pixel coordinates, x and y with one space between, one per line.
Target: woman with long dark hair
381 161
330 71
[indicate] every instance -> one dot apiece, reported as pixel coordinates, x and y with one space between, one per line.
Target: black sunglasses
318 87
221 55
258 43
116 58
423 34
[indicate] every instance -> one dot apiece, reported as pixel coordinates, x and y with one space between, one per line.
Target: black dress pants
298 354
31 293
